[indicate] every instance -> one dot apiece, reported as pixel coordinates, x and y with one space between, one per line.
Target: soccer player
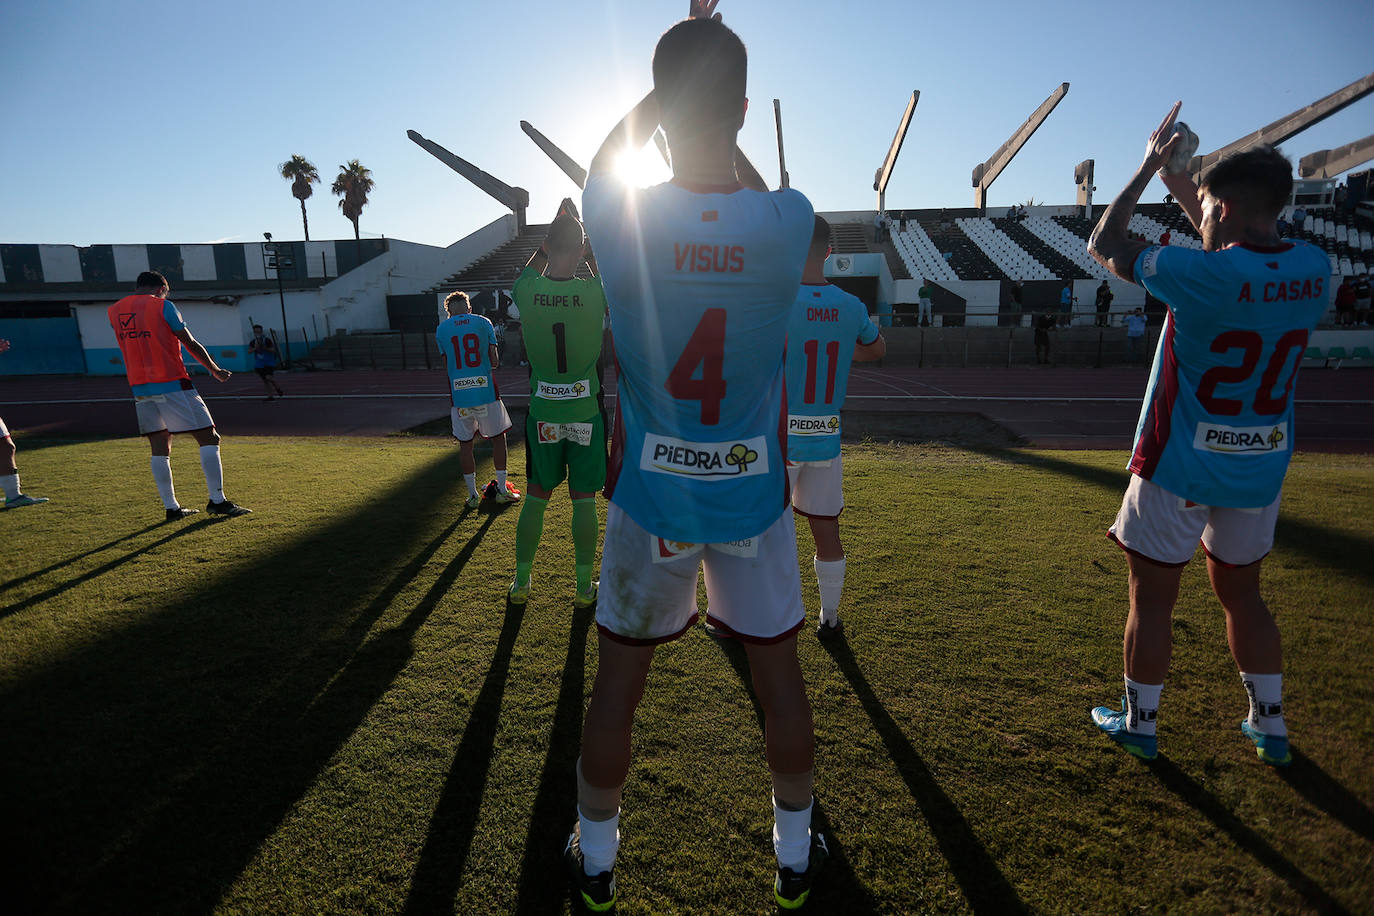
264 350
1216 427
151 333
9 473
468 343
700 275
829 329
565 428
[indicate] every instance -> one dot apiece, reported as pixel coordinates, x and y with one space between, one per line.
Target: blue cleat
1146 747
1271 749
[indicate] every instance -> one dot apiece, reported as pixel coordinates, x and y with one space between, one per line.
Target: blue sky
164 122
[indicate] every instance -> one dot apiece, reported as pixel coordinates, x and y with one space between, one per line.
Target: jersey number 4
468 349
1251 346
705 348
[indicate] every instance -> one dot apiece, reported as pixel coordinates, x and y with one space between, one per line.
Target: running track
1047 407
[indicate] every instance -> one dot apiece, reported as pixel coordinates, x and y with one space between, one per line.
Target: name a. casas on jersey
704 460
563 391
469 382
1251 440
813 426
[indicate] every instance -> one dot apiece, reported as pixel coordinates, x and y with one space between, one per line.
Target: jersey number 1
705 348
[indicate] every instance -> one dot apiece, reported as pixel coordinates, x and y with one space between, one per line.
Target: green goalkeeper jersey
561 321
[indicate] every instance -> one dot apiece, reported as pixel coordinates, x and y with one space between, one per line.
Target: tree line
353 184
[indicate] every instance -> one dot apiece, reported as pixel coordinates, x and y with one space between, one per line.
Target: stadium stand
966 259
1013 260
1064 267
1067 244
921 257
1347 243
499 267
1152 229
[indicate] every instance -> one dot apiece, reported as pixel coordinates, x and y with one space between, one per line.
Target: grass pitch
326 707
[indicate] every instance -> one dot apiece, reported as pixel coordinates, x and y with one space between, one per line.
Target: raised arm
747 174
1110 244
633 131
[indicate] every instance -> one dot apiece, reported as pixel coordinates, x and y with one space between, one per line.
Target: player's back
562 325
700 287
143 326
1217 424
465 342
825 325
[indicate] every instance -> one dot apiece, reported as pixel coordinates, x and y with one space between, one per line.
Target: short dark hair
565 234
150 279
700 68
820 235
257 327
1260 175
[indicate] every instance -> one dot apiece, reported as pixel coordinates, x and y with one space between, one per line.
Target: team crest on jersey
800 425
563 391
470 382
704 460
1241 440
665 551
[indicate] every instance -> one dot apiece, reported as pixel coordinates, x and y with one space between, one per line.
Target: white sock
1266 702
500 480
792 837
600 840
830 577
162 476
10 483
1142 705
471 481
214 472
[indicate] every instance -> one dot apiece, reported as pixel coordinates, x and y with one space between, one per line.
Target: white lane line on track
868 375
1038 399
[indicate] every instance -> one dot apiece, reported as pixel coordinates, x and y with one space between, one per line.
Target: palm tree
353 185
301 173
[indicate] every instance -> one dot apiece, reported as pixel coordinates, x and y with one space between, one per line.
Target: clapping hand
702 9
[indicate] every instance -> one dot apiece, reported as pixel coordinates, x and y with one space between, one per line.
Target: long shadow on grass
541 888
440 869
1313 783
838 889
108 566
150 764
80 556
982 882
1182 785
1348 552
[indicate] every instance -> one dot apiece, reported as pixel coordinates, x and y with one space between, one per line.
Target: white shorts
816 487
176 412
1164 528
648 591
491 420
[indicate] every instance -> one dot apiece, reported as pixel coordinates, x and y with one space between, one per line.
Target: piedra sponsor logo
471 381
704 460
1241 440
798 425
565 391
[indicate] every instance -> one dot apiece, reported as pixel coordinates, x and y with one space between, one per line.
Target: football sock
598 818
471 481
1266 702
10 483
501 480
214 472
1142 704
162 476
792 836
527 532
830 577
585 530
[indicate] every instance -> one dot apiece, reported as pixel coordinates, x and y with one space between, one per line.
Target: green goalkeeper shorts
576 451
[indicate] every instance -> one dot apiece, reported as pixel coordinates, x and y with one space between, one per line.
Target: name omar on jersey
704 460
813 426
1213 437
563 391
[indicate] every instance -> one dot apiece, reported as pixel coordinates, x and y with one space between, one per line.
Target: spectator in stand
925 317
1011 212
1345 302
1135 333
1283 227
878 226
1017 293
1299 217
1339 198
1066 305
1164 238
1104 304
1043 323
1362 299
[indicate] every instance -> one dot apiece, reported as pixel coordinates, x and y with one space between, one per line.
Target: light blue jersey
466 341
1217 424
700 284
826 323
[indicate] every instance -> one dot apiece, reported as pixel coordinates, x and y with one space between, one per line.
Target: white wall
61 263
130 261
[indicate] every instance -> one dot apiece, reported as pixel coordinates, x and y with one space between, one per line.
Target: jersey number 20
1251 346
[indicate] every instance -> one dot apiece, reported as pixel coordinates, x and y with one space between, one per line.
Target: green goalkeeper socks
586 528
527 533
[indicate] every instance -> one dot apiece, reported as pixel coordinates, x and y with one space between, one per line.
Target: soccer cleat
226 509
509 495
1272 749
598 891
474 500
1146 747
519 594
24 499
830 630
716 632
586 598
790 888
180 512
